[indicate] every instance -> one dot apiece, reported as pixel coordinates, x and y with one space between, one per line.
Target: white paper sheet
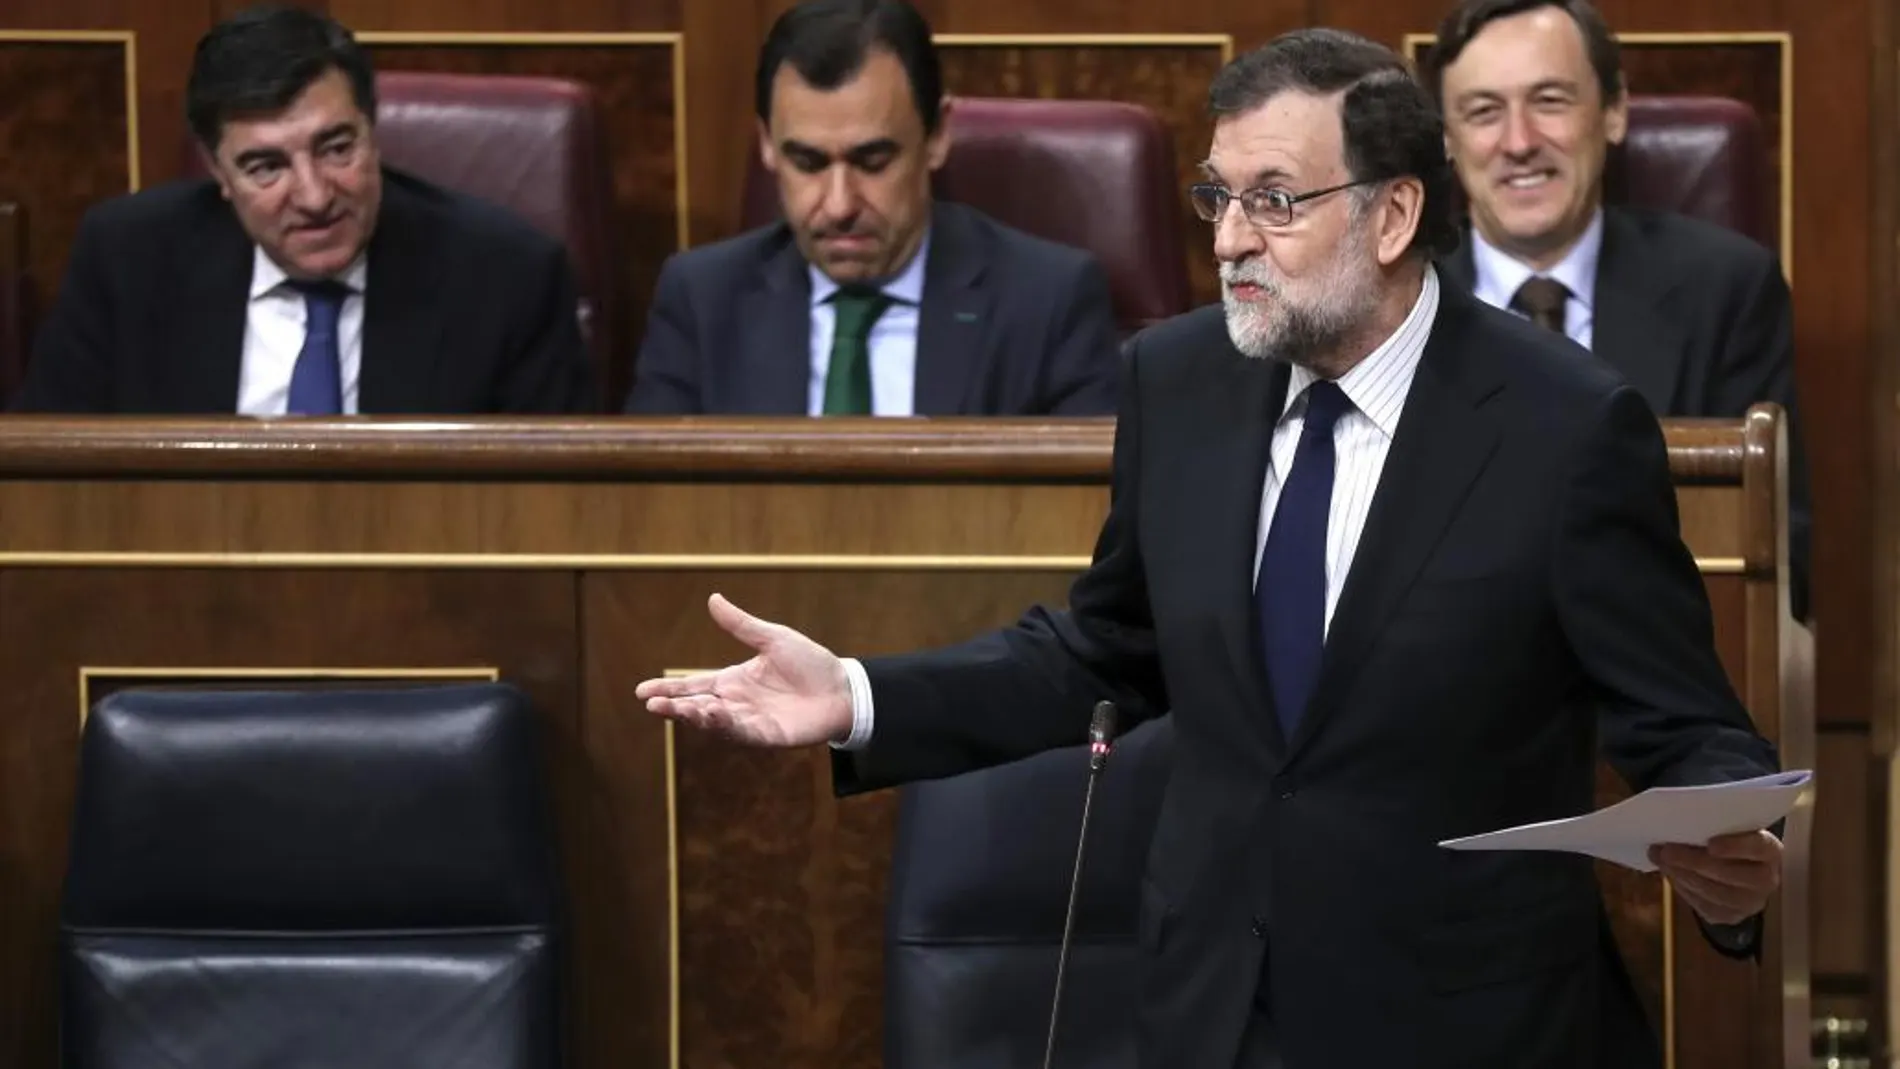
1624 832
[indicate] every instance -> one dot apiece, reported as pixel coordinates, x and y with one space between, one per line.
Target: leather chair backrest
980 882
1093 174
536 146
311 877
1699 156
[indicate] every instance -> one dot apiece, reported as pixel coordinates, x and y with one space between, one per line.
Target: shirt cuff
860 707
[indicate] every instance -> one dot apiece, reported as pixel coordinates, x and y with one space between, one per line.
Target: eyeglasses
1262 207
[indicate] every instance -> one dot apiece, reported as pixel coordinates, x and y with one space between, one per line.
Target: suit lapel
1248 400
402 317
1443 443
951 324
213 313
775 336
1631 330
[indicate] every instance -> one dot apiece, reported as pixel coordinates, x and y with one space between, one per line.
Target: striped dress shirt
1377 387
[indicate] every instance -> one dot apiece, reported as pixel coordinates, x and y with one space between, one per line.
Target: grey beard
1293 334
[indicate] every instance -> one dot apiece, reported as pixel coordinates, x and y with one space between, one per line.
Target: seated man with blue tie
1698 318
871 298
305 278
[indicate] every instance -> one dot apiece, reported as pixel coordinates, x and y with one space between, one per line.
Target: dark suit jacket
1699 320
1521 568
1011 325
468 310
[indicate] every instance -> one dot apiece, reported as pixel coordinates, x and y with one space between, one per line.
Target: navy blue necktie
316 384
1290 594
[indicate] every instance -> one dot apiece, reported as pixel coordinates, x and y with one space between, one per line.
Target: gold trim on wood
1223 41
673 40
672 904
673 883
1782 40
616 561
517 40
88 673
128 41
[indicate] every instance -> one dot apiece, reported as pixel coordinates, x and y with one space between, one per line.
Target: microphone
1101 741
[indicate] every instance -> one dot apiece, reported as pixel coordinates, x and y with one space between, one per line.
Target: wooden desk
727 911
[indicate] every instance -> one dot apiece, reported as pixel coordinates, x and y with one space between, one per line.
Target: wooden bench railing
724 905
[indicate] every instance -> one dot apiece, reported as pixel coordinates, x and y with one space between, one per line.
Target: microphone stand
1101 740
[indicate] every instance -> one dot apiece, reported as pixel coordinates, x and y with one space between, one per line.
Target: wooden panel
61 621
53 88
1844 858
1170 79
165 35
628 1006
643 123
1881 1004
781 887
1833 317
473 521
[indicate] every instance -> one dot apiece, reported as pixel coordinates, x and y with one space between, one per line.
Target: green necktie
848 380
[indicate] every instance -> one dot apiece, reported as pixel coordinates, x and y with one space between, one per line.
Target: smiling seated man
305 277
1696 317
871 298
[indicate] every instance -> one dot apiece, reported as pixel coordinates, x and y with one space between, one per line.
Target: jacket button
1259 928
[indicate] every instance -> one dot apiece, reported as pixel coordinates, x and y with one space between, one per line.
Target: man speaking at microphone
1386 553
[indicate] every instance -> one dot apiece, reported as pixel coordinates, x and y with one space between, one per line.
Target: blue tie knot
321 296
1325 403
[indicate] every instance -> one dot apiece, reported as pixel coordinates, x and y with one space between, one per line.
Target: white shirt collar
1377 385
266 276
1500 274
908 286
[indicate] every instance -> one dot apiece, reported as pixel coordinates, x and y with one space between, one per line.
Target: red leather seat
1699 156
1093 174
532 145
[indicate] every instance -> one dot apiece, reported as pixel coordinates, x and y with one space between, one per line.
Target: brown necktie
1542 299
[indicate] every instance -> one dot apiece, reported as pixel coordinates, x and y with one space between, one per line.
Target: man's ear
208 157
1401 209
1616 117
937 145
767 154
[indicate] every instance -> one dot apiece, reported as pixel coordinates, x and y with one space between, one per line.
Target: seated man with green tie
870 297
305 277
1696 317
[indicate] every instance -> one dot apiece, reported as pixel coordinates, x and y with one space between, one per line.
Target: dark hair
257 62
1388 124
1465 21
827 41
